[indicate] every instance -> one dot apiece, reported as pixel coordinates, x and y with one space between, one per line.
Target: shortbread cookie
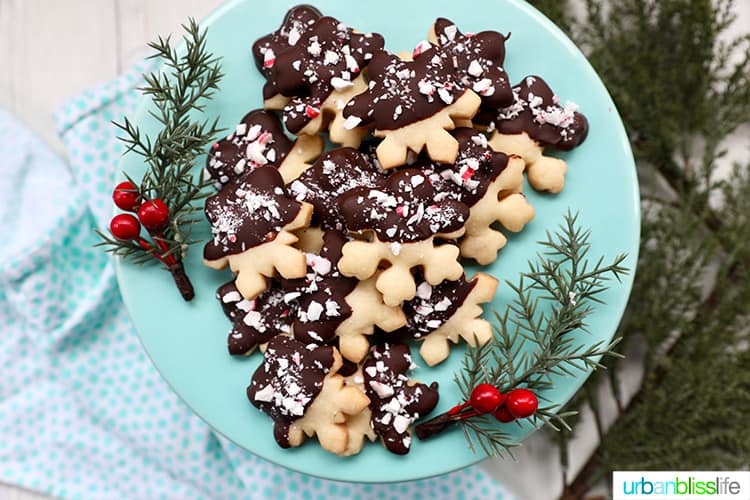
479 61
534 121
447 312
255 322
359 426
335 173
259 140
332 305
321 73
297 21
412 104
251 222
395 401
490 183
298 387
402 219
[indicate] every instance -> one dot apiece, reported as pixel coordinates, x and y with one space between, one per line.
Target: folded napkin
83 413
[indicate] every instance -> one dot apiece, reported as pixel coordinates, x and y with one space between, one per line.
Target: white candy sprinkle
231 297
332 308
450 31
314 48
446 96
330 58
443 305
320 265
481 85
426 88
314 311
479 140
241 129
294 36
253 319
265 394
255 151
340 84
352 122
383 391
401 423
395 248
475 69
299 189
424 291
240 167
253 133
351 63
246 305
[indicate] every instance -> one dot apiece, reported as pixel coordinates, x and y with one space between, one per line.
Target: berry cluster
484 399
151 214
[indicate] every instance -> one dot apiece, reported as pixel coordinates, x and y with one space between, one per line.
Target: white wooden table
51 50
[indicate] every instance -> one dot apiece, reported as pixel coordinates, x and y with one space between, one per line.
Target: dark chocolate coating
479 61
322 304
434 305
395 404
259 140
404 92
257 321
477 166
288 381
335 173
297 21
327 56
537 111
403 210
248 213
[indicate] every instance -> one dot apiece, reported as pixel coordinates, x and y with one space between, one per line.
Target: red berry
522 403
503 415
124 227
126 196
485 398
153 214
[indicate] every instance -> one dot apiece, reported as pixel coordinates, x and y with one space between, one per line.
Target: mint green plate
187 341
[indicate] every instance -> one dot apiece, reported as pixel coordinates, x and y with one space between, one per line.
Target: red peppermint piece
468 173
312 112
269 58
421 47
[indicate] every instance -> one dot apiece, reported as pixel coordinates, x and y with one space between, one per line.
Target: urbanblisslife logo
716 485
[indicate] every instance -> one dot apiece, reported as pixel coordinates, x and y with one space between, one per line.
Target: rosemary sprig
179 90
552 299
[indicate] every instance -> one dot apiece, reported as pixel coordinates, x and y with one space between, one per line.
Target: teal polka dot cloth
83 413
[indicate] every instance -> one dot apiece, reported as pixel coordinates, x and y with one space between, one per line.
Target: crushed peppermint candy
434 305
395 401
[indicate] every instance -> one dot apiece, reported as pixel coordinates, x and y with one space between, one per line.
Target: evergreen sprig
533 338
179 90
682 87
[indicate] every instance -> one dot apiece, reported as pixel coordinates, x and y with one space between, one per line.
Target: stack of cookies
340 257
